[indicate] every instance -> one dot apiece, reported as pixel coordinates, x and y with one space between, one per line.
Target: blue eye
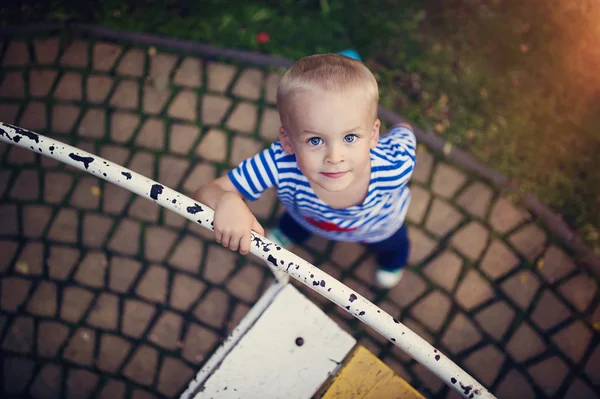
350 138
314 141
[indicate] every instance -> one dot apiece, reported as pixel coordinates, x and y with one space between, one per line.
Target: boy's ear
285 140
375 134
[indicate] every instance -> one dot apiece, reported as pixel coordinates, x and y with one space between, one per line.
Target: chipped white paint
296 267
289 353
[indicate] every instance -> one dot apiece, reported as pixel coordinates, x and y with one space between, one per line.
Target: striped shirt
380 215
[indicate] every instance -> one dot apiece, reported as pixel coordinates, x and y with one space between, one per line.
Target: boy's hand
234 222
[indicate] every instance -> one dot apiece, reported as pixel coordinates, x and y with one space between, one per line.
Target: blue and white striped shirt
380 215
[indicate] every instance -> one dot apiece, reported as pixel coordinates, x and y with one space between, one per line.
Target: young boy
335 176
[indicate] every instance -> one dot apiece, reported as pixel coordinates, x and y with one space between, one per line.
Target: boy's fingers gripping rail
279 260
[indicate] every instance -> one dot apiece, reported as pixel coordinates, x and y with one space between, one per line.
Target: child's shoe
386 279
278 237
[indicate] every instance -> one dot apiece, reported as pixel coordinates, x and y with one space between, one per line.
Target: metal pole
277 257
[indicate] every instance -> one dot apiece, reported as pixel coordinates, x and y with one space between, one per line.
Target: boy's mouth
334 175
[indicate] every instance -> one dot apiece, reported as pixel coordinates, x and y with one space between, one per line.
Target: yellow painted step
364 376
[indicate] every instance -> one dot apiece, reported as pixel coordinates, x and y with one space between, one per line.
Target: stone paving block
264 206
243 148
75 302
95 229
471 240
418 204
48 382
142 366
447 180
126 95
573 340
245 284
69 87
270 124
21 156
495 319
8 214
64 227
92 269
521 288
40 82
76 54
113 350
186 290
421 245
50 337
46 50
219 264
141 394
442 218
549 374
473 291
61 261
93 124
132 63
166 330
153 285
580 291
43 300
80 348
104 56
56 185
243 118
18 373
19 336
248 84
189 73
136 316
7 254
591 367
34 117
171 170
144 209
505 216
161 65
14 292
498 260
198 343
476 199
174 377
425 163
8 113
237 315
115 198
188 254
64 117
123 271
432 310
213 146
158 242
530 241
580 389
98 87
184 106
173 219
214 108
213 308
485 364
203 173
105 311
271 85
461 334
556 264
154 100
220 76
514 385
346 253
444 270
549 311
35 220
13 85
143 163
16 54
182 137
431 381
126 239
123 125
525 343
113 390
26 186
152 134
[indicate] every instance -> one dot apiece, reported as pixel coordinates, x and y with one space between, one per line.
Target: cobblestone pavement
105 294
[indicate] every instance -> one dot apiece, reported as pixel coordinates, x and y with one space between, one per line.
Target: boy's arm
210 194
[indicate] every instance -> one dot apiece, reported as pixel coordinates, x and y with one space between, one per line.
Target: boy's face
331 135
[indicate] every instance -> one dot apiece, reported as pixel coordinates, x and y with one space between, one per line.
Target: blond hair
329 73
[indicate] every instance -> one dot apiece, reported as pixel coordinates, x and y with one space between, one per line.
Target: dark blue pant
391 253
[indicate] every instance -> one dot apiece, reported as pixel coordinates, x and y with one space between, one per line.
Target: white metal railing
279 259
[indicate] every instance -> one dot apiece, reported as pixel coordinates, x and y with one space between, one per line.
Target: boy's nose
334 155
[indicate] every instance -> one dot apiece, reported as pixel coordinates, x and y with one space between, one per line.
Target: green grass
494 77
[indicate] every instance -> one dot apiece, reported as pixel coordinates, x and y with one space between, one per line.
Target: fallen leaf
483 93
524 48
117 13
443 99
152 51
95 191
596 325
447 149
540 264
523 278
23 267
470 134
439 127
